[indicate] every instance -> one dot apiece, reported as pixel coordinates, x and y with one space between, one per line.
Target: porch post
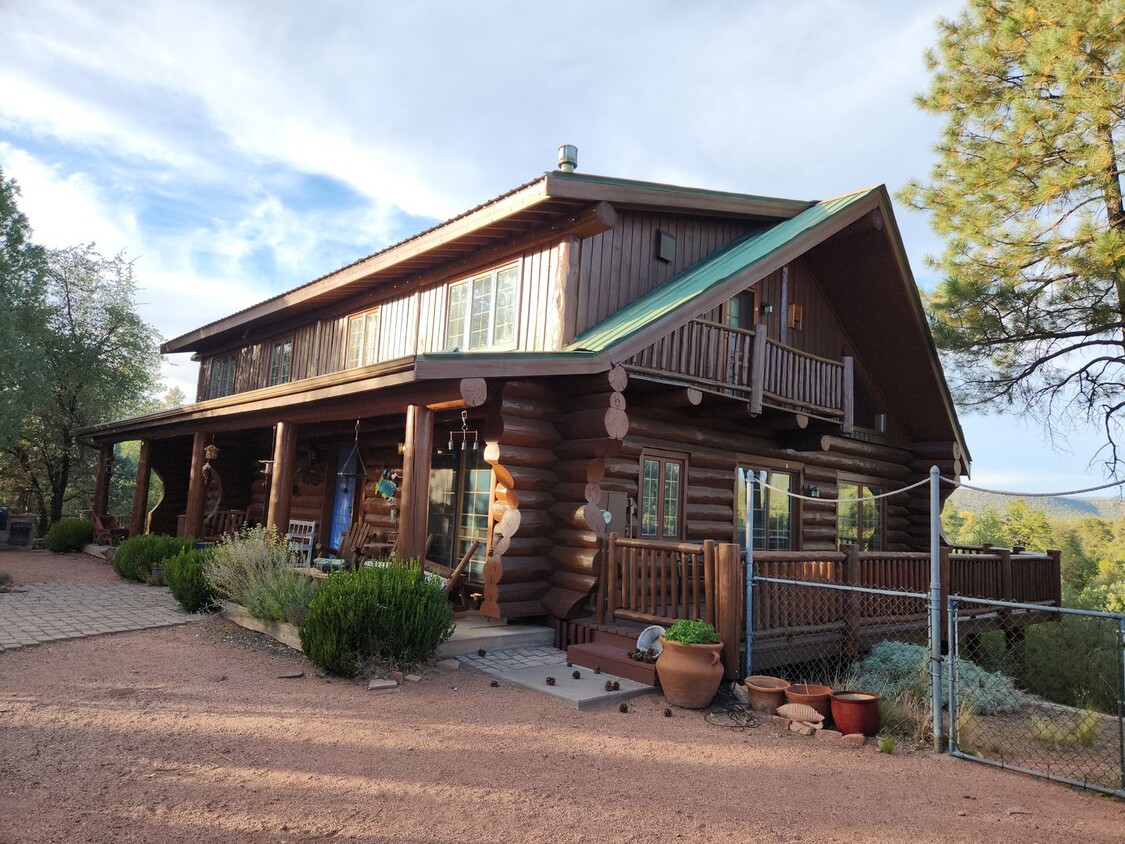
847 425
417 447
101 485
140 491
758 369
281 481
197 488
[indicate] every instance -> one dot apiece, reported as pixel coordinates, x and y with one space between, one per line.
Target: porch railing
748 364
659 582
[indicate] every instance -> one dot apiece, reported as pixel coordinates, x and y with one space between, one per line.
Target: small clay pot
855 712
766 693
810 694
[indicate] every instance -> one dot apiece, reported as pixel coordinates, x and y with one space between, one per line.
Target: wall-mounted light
766 308
401 449
813 491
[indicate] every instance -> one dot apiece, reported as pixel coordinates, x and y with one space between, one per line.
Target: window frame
762 464
280 369
366 344
217 382
462 341
875 486
663 458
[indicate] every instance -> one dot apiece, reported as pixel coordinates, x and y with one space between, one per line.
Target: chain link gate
1015 704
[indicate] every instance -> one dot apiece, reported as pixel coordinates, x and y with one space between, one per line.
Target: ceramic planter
766 693
855 712
818 697
689 674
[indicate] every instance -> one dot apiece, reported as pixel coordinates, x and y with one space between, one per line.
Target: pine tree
1027 192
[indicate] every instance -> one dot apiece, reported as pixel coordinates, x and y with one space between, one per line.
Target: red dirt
186 734
42 567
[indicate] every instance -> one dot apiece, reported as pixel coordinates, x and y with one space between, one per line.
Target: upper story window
482 311
281 362
222 378
363 339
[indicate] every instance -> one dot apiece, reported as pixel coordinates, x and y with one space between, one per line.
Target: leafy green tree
1078 566
1026 526
101 362
1027 192
22 314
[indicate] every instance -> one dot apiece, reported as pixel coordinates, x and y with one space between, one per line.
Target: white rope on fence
1013 494
792 494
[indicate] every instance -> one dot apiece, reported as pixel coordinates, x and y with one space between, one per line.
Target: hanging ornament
463 434
360 472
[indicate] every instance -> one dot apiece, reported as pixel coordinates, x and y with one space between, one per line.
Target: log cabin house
579 357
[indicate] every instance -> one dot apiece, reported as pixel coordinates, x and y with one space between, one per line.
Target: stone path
497 662
46 612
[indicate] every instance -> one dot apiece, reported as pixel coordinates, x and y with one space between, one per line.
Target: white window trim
364 344
467 283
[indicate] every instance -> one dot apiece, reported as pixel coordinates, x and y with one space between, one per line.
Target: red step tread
612 659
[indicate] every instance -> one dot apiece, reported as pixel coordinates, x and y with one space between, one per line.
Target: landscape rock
413 678
741 693
853 739
801 729
780 722
291 675
380 684
829 735
448 664
397 676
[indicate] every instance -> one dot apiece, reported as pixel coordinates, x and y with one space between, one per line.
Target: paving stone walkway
47 612
498 662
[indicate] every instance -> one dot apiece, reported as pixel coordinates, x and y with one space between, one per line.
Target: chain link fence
1039 689
848 638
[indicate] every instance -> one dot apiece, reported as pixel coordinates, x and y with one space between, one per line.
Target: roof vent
568 158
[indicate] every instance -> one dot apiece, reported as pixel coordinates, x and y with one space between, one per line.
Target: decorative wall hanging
388 484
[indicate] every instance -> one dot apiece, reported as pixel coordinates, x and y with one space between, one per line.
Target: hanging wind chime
210 452
360 471
463 434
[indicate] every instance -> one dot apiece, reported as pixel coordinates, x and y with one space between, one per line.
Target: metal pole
751 480
935 603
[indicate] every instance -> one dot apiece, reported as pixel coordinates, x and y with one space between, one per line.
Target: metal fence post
935 603
751 479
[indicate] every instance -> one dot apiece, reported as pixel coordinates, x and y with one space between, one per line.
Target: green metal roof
694 282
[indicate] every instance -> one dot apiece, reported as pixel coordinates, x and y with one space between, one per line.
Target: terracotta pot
766 693
689 674
811 695
855 712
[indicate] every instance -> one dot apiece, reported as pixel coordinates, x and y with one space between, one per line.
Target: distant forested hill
1107 509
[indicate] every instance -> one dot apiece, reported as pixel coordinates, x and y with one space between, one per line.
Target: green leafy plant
183 574
692 631
253 569
887 744
69 535
390 612
135 557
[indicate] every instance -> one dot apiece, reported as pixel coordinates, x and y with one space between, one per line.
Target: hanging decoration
463 434
359 474
210 452
388 483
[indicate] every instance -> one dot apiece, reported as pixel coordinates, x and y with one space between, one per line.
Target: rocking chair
350 553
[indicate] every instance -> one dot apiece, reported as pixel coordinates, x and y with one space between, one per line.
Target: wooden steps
606 647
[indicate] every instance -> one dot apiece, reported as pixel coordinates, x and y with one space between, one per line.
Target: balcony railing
749 365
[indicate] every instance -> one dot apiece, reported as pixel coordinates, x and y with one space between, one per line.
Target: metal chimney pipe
568 158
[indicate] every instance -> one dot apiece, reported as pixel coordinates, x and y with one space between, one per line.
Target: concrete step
476 632
612 659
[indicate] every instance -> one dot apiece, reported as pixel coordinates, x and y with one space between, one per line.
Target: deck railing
747 364
659 582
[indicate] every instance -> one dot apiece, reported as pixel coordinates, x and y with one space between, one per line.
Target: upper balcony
749 365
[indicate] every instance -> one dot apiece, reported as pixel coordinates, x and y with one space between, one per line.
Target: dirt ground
188 734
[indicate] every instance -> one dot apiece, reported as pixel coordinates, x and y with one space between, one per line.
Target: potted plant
689 669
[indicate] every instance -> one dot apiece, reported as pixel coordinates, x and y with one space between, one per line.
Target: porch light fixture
463 434
813 491
360 470
766 308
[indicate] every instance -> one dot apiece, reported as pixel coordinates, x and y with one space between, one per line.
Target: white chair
302 538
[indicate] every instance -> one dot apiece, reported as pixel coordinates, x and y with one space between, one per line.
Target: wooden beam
474 391
139 512
418 446
281 480
197 488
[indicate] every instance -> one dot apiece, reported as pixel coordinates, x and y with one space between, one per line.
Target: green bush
898 669
390 612
689 631
253 569
69 535
135 557
183 574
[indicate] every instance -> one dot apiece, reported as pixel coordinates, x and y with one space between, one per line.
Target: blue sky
238 148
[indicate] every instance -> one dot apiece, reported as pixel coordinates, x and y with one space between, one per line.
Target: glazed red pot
689 674
855 712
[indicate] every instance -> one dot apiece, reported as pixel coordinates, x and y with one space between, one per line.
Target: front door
460 492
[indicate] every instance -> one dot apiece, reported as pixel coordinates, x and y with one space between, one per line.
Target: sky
235 149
